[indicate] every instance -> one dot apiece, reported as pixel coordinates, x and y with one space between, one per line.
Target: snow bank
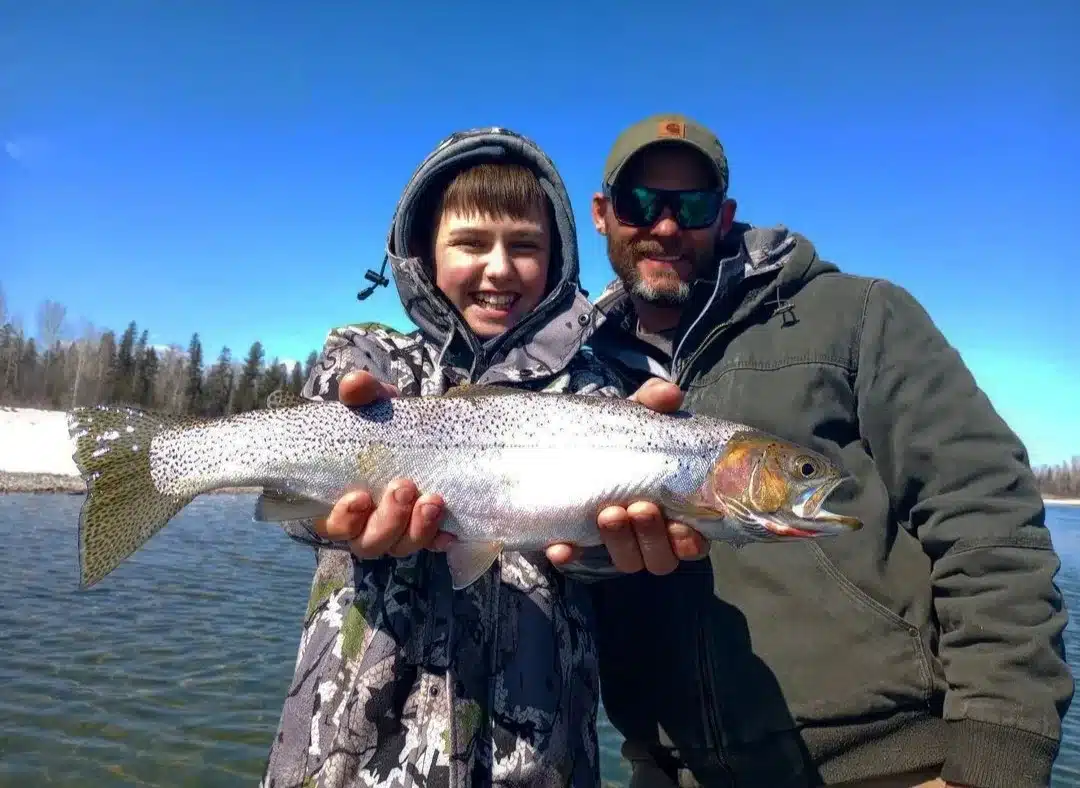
35 441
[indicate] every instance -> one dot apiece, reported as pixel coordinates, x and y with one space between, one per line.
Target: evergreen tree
147 378
10 353
138 373
54 376
296 380
106 364
140 350
272 379
124 370
245 393
219 385
193 390
26 387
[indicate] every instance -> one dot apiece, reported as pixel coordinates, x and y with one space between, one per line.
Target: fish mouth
813 518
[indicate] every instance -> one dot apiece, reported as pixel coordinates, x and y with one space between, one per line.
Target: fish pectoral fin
275 506
469 560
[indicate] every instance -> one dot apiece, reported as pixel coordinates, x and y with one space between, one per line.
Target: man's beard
664 291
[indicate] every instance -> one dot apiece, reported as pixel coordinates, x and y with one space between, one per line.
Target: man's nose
666 225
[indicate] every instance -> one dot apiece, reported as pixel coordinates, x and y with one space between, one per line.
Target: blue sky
231 167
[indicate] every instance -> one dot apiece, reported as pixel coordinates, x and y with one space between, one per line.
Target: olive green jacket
932 637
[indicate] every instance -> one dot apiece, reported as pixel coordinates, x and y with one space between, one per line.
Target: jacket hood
544 341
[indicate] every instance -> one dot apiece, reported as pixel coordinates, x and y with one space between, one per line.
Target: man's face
494 270
657 263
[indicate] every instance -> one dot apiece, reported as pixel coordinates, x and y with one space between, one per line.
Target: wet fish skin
517 470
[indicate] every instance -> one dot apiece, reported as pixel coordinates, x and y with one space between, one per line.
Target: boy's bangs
494 190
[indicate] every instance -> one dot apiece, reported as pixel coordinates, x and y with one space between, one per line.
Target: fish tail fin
123 508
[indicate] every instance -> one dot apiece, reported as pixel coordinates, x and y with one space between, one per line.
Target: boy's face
493 269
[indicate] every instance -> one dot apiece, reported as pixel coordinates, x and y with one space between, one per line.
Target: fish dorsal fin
283 398
474 390
469 560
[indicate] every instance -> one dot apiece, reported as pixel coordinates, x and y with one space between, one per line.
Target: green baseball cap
666 128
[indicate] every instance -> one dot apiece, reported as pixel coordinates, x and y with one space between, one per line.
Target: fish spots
122 509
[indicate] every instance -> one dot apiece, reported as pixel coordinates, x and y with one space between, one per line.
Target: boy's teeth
495 300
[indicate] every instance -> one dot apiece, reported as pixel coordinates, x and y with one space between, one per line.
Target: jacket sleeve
346 350
960 480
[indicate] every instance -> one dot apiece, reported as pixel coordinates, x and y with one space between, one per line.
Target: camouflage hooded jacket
399 680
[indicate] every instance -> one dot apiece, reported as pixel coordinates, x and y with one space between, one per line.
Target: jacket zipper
711 711
711 705
705 344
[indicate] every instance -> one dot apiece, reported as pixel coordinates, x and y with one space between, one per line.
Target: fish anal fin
469 560
276 506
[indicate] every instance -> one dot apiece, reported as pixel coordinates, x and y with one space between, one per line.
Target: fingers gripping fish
517 470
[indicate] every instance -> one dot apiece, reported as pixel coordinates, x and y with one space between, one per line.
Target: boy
399 680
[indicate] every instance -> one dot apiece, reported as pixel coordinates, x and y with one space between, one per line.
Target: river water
172 672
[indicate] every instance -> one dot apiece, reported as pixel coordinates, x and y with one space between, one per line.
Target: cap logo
671 128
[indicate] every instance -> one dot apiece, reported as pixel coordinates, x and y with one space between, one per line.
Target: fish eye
807 467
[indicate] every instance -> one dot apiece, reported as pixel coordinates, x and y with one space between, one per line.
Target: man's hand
404 520
637 536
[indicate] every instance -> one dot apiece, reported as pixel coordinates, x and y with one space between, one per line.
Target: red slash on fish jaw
781 529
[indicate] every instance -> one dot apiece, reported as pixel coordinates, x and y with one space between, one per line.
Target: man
923 650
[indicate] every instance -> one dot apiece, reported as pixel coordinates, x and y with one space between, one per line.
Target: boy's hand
637 536
404 521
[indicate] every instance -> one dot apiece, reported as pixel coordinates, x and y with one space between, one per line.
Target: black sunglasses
642 206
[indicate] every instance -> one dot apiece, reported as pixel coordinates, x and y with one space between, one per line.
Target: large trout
517 470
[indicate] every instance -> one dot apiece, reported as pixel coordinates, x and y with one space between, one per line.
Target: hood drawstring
377 279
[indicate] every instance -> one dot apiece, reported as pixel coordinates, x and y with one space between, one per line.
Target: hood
542 343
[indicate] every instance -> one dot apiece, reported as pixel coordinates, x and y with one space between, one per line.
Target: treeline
1060 481
53 370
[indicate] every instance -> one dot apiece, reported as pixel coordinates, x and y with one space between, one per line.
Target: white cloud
26 150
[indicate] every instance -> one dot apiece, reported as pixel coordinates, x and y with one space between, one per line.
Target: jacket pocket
812 646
